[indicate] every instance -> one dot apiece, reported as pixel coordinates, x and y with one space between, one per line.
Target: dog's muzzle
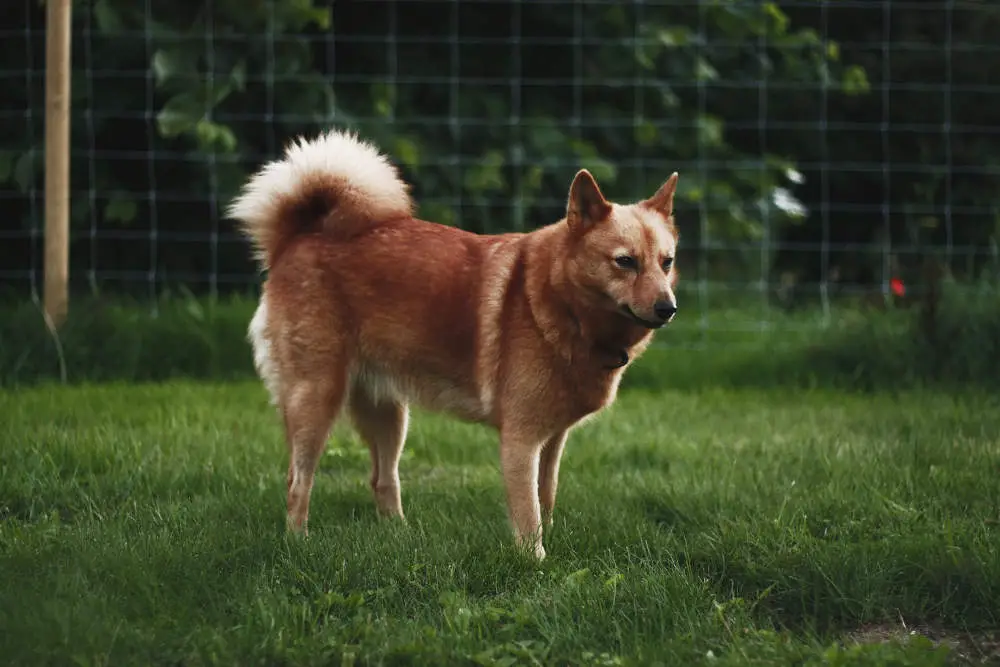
664 311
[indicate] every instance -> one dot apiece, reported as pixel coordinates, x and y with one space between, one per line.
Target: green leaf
213 136
855 81
6 165
189 110
299 14
710 130
238 75
160 30
487 175
544 137
646 133
107 18
407 152
179 63
704 71
779 20
180 114
644 59
217 92
532 179
321 18
25 170
674 37
383 99
119 209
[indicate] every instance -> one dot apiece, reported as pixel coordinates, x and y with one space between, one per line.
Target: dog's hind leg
382 424
310 408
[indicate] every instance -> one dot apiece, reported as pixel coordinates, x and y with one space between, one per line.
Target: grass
742 504
144 524
734 340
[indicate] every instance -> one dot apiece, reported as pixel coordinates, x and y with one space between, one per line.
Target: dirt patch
967 648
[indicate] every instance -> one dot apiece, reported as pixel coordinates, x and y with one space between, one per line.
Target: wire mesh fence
826 148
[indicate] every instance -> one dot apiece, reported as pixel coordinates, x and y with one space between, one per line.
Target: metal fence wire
825 148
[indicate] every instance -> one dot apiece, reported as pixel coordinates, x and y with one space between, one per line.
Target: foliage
231 81
913 165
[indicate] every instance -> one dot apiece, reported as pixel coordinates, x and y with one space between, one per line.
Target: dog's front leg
519 459
548 474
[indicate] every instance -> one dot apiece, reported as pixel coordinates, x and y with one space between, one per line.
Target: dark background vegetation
887 110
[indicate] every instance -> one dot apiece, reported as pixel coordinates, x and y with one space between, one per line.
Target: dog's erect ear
663 200
586 206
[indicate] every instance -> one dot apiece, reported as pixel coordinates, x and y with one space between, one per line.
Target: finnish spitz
369 309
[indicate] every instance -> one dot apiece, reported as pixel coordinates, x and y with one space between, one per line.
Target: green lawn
145 525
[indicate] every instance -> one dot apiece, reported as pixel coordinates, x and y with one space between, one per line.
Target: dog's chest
590 393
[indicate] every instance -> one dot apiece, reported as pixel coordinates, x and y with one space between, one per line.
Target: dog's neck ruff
579 333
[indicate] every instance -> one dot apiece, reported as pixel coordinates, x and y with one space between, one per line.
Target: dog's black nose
665 310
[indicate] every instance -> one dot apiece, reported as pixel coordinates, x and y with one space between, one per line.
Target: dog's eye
626 262
667 263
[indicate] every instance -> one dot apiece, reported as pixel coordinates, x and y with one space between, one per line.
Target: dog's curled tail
335 183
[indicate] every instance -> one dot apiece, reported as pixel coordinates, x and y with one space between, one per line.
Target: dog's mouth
625 310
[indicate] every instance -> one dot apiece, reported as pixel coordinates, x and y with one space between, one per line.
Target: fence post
57 128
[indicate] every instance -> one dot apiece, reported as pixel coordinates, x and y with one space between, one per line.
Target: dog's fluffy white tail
335 183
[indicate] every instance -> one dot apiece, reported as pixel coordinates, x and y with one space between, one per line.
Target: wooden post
57 111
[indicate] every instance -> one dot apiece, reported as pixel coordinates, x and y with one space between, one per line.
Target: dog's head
623 255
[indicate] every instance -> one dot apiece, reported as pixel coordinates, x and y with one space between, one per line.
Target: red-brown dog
368 308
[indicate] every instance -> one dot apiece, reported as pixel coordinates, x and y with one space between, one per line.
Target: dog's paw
390 515
532 548
295 531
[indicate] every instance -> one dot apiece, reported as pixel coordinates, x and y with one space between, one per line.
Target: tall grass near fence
853 347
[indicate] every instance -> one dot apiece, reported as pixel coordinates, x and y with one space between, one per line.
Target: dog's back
358 288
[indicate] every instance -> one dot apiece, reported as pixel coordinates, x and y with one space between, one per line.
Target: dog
369 309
